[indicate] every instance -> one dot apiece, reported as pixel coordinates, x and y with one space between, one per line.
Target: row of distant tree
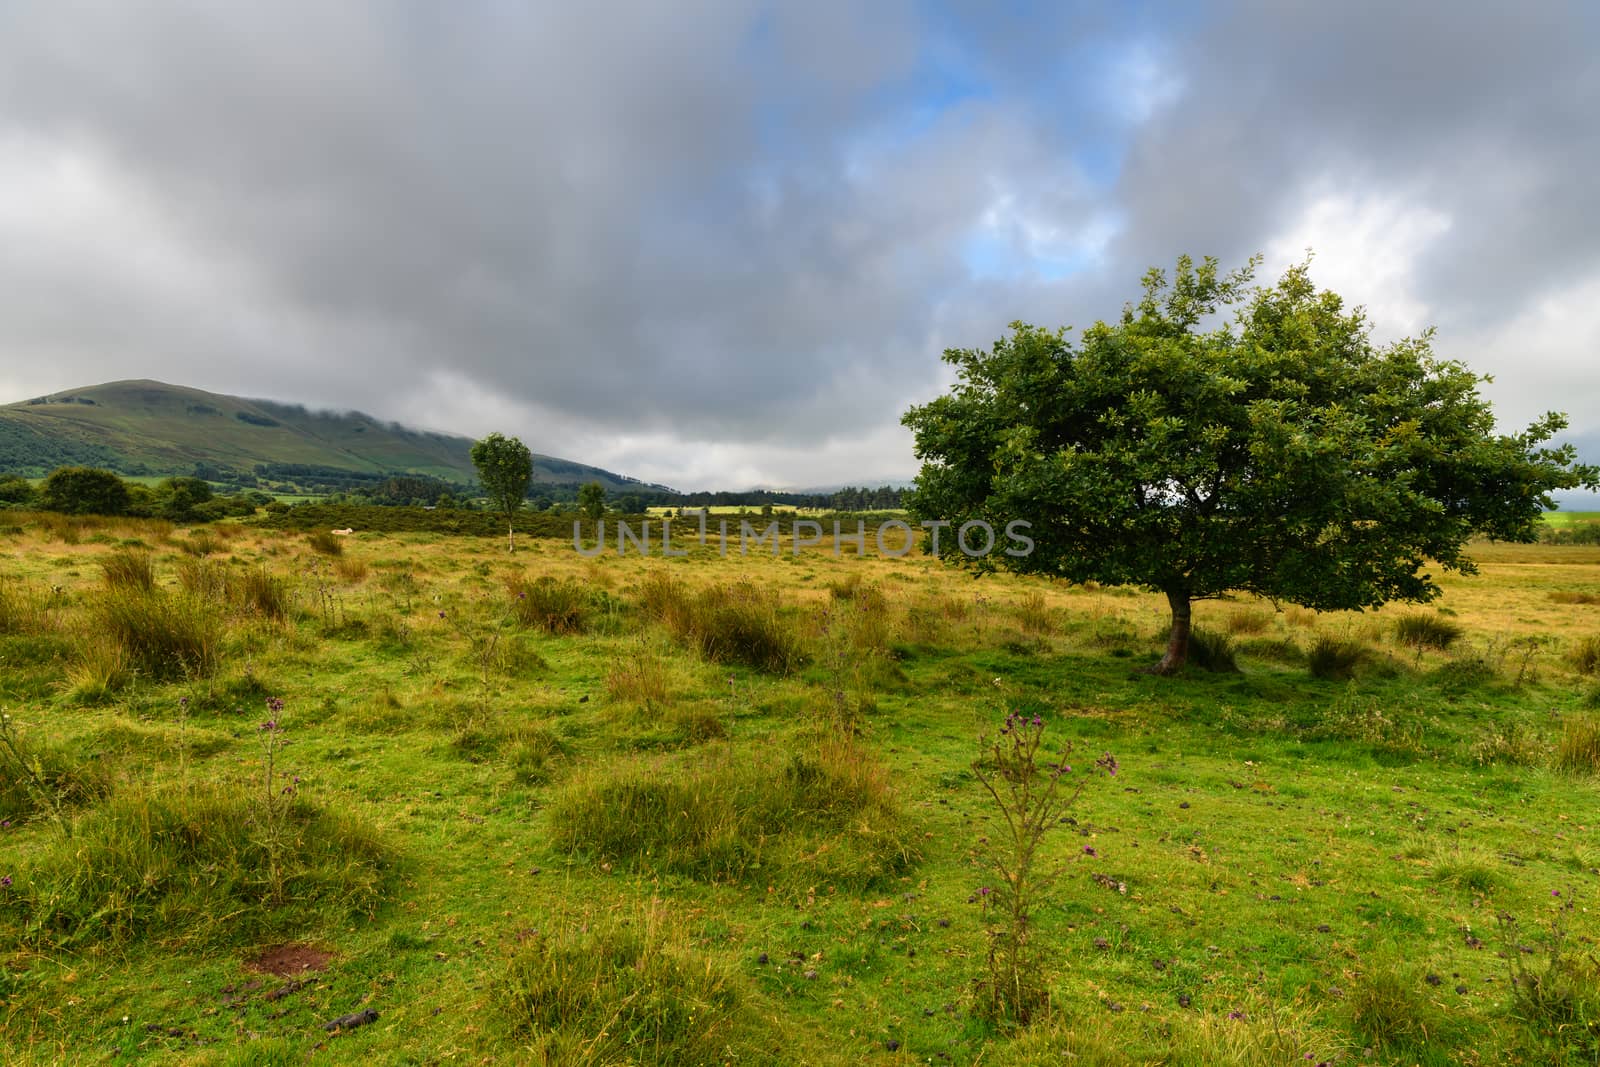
93 491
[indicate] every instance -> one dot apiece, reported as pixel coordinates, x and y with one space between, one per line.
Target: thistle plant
1031 786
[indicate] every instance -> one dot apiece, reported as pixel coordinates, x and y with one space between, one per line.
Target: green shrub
128 569
828 815
165 637
621 992
1336 658
200 865
1212 652
1421 631
554 606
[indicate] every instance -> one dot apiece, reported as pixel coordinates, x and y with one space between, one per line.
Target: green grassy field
534 808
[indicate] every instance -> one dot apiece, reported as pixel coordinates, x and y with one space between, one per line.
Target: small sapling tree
505 467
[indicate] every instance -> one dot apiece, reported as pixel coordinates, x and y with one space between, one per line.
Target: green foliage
16 491
84 491
44 779
1282 453
505 466
592 500
182 497
1024 781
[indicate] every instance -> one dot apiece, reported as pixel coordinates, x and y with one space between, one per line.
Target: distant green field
1571 518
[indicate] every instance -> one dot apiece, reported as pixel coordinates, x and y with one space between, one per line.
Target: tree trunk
1178 640
511 544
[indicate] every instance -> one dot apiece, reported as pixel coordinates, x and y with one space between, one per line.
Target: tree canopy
84 491
592 500
505 467
1279 451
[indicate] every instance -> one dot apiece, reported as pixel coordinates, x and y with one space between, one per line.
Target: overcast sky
722 244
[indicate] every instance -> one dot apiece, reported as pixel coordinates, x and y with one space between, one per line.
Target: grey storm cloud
637 232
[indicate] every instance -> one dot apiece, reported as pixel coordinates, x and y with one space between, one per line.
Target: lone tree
592 500
1281 453
505 467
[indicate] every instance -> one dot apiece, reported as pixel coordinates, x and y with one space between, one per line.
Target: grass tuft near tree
1281 452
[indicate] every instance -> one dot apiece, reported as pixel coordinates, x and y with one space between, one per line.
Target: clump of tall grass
200 864
1212 652
1033 611
1420 631
164 637
1248 621
100 670
1389 1009
44 779
621 991
1336 658
324 543
556 606
350 569
250 591
128 569
827 814
23 609
639 678
1564 596
1585 655
201 543
737 623
1578 751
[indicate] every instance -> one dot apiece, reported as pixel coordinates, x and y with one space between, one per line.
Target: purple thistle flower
1109 762
183 702
274 704
5 881
270 726
1037 721
441 614
985 891
1089 850
1237 1016
1555 892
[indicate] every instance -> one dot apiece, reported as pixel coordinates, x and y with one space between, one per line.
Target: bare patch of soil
287 961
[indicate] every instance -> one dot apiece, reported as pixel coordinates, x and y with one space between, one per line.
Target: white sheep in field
346 532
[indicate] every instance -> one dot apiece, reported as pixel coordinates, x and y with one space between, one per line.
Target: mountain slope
147 427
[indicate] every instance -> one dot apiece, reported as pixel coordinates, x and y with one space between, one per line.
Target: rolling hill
151 428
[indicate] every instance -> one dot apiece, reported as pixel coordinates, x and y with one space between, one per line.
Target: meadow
534 808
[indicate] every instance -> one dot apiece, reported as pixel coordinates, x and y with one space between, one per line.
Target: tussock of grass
201 543
1212 652
1569 597
41 779
829 815
1585 655
1335 658
164 637
23 609
1421 631
199 865
1277 650
252 591
621 992
1248 621
738 623
351 570
1035 615
128 569
552 605
1578 751
1389 1010
324 543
